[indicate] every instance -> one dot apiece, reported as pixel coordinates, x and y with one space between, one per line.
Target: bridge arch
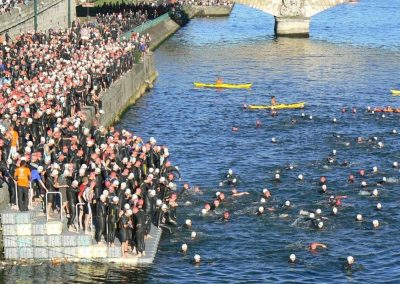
292 17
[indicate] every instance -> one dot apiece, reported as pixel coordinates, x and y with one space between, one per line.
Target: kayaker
273 101
219 81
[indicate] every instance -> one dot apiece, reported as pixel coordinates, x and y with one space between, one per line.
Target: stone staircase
28 235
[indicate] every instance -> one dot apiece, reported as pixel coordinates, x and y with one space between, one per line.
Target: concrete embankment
127 90
207 11
130 87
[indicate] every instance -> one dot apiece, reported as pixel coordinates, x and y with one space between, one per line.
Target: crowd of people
207 2
6 6
110 181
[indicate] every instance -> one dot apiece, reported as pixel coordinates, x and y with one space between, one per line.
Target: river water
351 59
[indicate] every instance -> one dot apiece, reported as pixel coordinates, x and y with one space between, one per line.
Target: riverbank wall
194 11
50 14
132 85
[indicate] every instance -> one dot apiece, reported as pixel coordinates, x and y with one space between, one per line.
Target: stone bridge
292 17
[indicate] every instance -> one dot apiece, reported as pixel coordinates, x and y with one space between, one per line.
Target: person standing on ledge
23 176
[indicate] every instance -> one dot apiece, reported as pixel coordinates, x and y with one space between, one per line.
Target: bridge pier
292 26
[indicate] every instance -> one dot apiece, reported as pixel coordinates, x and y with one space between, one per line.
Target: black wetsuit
112 222
72 197
101 213
140 220
123 228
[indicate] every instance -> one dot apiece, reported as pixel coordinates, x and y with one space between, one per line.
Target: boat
223 85
395 92
278 106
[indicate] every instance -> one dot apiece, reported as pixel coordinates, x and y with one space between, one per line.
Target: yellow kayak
223 86
279 106
395 92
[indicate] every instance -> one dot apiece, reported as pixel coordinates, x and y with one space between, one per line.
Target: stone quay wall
51 14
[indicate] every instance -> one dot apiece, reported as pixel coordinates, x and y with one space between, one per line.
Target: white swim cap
103 197
375 223
126 206
395 164
263 200
184 247
384 179
303 114
375 169
292 257
123 185
380 144
75 183
359 217
115 199
204 211
221 183
230 171
394 131
312 215
310 117
188 222
197 258
105 192
379 206
131 176
350 259
375 192
152 193
318 211
363 183
265 190
277 176
334 119
320 224
134 196
300 177
217 193
334 210
128 191
193 234
334 152
159 202
324 187
287 203
273 139
234 180
261 209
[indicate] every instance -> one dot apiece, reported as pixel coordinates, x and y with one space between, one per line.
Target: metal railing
146 25
61 209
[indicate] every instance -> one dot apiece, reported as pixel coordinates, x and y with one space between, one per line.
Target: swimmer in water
351 179
221 197
322 180
314 246
215 205
348 265
226 216
235 193
258 123
336 200
260 211
266 194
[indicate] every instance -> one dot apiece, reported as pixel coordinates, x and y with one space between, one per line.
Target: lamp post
35 12
69 13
